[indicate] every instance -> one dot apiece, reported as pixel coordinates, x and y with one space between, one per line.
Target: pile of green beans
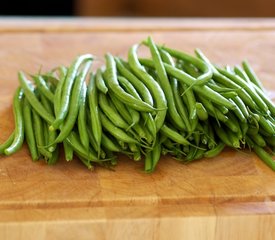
172 103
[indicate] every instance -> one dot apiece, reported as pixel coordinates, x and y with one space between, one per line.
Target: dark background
136 8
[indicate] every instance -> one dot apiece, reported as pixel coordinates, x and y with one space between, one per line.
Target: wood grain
227 197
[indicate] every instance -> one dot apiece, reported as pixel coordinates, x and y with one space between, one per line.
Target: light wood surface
227 197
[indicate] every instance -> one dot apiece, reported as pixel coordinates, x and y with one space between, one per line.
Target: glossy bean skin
19 123
215 151
151 84
68 151
190 81
165 84
7 143
115 131
96 126
99 82
82 117
39 135
43 88
252 75
69 122
207 72
35 103
67 88
110 75
29 131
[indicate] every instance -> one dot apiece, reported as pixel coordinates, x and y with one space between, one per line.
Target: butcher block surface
228 197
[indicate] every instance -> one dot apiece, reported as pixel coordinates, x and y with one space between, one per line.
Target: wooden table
228 197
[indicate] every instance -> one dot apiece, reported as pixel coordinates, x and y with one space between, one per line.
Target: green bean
29 132
239 113
241 73
215 151
212 111
156 153
38 133
229 94
252 75
233 138
51 135
82 118
241 106
190 81
68 150
260 103
175 89
262 154
74 141
111 113
266 125
175 136
55 156
58 90
252 130
258 139
201 111
152 85
139 85
99 82
191 105
233 123
244 128
222 135
199 154
263 96
131 90
29 93
207 72
270 140
110 76
67 88
110 144
190 69
19 123
123 110
7 143
94 109
165 85
227 82
70 120
115 131
43 88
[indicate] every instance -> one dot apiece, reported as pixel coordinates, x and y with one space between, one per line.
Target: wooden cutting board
227 197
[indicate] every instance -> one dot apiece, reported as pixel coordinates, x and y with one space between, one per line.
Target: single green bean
68 151
215 151
172 134
29 132
82 118
7 143
252 75
99 82
95 122
201 111
19 122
